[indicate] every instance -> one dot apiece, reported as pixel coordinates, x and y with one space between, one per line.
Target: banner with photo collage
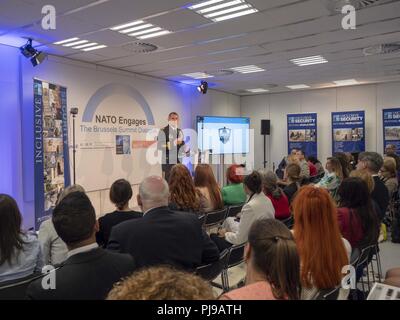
348 131
391 128
51 163
302 133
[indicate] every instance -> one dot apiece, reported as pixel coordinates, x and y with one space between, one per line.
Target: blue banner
302 133
391 128
348 131
51 154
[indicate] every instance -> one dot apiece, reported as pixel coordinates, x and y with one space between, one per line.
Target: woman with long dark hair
204 181
358 222
273 264
20 253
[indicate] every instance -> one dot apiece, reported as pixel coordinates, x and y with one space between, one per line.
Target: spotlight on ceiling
28 51
203 87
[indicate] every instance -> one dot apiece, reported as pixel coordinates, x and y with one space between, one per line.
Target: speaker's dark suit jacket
85 276
167 237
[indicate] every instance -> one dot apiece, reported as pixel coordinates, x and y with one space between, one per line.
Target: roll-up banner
391 128
302 132
348 131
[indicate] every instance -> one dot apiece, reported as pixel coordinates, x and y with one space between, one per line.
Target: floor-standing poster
348 131
302 132
50 146
391 128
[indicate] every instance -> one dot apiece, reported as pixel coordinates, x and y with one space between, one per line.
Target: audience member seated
20 253
273 265
276 195
358 221
292 175
120 195
89 272
322 250
163 236
204 181
332 179
317 164
283 164
162 283
344 162
312 168
388 174
183 194
233 193
301 160
392 277
54 249
236 229
372 162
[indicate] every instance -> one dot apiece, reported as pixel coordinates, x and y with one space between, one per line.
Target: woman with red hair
322 250
234 193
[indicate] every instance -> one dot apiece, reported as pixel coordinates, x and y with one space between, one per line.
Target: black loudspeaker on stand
74 112
265 131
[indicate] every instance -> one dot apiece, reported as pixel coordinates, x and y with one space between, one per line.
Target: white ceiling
281 30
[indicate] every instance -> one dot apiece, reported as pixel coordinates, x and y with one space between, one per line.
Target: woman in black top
292 173
120 194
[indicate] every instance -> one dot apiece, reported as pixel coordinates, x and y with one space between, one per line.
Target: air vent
220 73
335 6
382 49
140 47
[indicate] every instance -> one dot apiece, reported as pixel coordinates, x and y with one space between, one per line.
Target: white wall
371 98
82 80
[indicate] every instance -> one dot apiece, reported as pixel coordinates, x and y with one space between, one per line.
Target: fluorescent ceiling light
152 35
198 75
346 82
298 86
126 25
144 32
220 6
306 61
95 48
248 69
66 40
219 13
143 26
223 9
203 4
85 45
75 43
235 15
257 90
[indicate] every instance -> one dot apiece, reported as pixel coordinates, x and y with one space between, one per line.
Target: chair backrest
364 256
234 210
236 255
212 270
202 219
16 289
328 294
289 222
214 218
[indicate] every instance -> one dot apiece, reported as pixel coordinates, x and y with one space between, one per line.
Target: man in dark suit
163 236
373 162
170 142
90 272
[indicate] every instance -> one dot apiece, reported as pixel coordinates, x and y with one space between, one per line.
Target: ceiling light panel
257 90
220 10
248 69
140 29
79 44
198 75
298 86
306 61
347 82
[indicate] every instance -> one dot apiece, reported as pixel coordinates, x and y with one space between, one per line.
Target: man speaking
170 142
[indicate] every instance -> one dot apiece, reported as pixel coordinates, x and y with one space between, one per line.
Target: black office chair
16 289
215 218
212 270
234 210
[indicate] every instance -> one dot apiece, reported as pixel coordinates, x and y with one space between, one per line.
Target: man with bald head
163 236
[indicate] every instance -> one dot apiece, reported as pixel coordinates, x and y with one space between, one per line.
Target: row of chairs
215 218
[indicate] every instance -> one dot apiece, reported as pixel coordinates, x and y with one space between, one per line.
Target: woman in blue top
20 254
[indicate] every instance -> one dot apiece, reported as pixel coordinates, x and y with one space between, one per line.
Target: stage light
203 87
28 51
